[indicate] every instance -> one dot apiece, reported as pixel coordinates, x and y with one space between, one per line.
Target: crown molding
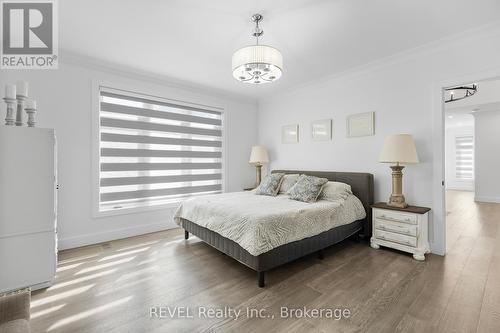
77 59
399 57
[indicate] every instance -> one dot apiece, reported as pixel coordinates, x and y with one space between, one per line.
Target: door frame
438 236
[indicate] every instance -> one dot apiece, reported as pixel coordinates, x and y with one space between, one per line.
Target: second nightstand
404 229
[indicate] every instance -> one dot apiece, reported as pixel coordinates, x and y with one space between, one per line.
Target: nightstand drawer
396 238
396 216
399 228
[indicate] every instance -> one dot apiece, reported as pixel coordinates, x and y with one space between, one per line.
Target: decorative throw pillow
288 182
307 188
270 185
335 191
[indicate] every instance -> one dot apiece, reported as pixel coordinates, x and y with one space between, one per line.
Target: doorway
472 161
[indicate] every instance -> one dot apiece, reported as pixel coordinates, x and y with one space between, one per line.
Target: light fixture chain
257 31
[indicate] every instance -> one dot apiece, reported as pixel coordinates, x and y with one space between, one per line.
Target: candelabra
20 109
11 104
31 116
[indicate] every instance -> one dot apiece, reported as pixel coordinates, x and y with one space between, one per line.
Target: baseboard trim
436 249
106 236
460 188
487 199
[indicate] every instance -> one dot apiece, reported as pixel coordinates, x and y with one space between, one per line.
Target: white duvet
259 223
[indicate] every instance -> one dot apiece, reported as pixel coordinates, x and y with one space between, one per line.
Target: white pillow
335 191
287 182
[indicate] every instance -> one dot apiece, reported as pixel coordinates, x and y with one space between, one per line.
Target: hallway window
464 154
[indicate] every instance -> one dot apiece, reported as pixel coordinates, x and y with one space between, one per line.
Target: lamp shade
259 155
257 64
399 148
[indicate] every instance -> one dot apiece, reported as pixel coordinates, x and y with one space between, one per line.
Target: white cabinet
28 241
404 229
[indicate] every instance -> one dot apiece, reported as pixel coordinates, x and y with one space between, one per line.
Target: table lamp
258 157
398 149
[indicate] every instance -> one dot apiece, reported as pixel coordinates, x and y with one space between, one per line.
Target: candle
31 104
10 91
22 88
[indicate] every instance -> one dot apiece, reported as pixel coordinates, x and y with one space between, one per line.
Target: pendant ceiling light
257 63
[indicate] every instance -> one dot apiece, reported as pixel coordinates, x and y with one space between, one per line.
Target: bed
219 225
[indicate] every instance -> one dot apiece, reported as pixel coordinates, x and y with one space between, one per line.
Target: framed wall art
361 124
290 133
321 130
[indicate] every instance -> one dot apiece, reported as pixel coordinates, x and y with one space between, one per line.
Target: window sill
136 210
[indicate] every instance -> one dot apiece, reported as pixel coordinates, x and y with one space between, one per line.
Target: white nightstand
404 229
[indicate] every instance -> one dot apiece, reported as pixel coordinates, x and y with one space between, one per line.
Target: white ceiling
459 120
193 40
473 108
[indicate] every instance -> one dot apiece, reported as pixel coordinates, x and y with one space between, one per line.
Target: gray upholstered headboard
361 185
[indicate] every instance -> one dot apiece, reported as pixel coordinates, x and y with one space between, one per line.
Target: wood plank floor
110 287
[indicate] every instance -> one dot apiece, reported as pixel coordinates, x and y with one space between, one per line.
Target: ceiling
459 120
473 108
193 40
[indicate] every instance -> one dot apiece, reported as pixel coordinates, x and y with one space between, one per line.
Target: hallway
466 218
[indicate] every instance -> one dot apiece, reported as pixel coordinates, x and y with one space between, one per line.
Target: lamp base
258 172
397 198
397 201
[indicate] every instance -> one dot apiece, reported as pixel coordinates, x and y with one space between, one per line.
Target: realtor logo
29 34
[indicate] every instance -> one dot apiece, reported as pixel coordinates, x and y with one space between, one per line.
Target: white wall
65 103
401 90
458 125
487 157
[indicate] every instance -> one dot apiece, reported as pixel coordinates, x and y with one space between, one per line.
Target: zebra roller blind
154 152
464 157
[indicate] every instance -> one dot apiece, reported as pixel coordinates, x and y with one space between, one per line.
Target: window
154 151
464 157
